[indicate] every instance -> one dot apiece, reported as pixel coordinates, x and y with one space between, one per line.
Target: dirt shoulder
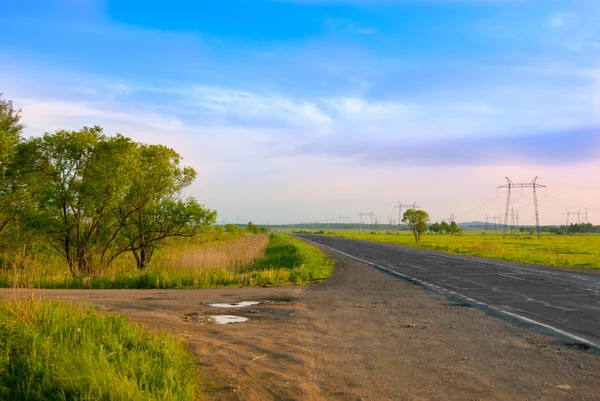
360 335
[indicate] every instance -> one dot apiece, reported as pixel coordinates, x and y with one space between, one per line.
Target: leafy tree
154 210
82 177
10 130
435 228
253 228
417 221
445 227
10 135
453 227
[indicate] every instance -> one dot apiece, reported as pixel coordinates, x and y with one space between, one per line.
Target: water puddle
235 305
222 319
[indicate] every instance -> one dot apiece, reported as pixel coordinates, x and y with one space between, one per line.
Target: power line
509 186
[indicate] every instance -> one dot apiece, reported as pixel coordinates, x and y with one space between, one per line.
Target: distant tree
453 228
253 228
445 227
417 221
233 229
435 228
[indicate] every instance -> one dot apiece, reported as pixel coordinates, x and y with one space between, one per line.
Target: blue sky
302 109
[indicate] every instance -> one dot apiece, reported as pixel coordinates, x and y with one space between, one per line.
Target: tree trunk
143 257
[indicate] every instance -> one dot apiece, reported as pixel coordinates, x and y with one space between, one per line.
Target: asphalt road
553 301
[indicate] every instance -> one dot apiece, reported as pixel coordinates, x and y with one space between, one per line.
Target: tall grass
551 250
55 351
247 261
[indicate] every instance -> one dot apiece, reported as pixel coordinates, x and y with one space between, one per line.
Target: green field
55 351
551 250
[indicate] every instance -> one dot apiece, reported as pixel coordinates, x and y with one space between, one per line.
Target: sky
304 110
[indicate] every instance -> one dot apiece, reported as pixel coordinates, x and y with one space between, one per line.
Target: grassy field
551 250
55 351
251 260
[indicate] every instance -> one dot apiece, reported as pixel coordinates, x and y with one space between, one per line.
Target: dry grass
230 255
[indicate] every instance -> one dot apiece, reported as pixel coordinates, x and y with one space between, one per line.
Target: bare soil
360 335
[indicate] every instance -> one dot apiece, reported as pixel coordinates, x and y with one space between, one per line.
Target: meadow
244 260
55 351
572 251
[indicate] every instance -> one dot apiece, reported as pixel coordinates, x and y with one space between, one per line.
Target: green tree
445 227
82 177
11 129
435 228
417 221
253 228
154 210
453 228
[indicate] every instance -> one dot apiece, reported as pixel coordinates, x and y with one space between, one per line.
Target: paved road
565 301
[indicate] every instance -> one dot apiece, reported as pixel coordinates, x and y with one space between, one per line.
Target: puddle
236 305
222 319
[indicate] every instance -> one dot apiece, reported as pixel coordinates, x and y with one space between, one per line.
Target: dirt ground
360 335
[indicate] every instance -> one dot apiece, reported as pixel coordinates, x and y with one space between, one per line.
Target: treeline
573 229
444 228
91 197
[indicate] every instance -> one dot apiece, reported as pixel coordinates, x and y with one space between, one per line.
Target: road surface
554 302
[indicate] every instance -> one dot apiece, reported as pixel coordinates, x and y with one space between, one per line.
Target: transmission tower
400 205
371 215
509 186
361 214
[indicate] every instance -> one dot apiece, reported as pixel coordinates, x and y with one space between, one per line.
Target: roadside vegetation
56 351
82 209
243 260
577 251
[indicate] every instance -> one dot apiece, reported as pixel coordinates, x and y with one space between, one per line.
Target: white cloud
246 104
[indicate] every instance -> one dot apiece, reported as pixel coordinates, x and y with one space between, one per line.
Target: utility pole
534 185
512 221
361 214
587 224
568 214
517 229
400 206
371 215
486 223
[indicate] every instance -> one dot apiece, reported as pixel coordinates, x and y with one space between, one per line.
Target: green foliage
153 210
417 221
10 135
55 351
254 229
10 130
94 197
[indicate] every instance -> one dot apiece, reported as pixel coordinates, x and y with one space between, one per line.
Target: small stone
564 387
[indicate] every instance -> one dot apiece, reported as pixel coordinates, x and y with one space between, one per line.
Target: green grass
286 260
551 250
300 261
55 351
